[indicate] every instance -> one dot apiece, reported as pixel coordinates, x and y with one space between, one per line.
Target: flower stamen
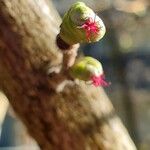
99 81
90 27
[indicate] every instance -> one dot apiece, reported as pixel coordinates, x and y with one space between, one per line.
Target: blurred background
125 54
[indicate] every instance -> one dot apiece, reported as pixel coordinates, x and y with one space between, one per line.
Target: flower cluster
91 28
81 25
99 80
89 69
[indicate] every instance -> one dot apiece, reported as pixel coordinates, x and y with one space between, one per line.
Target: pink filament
90 27
99 81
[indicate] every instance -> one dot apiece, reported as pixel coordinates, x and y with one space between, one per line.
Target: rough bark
3 107
77 117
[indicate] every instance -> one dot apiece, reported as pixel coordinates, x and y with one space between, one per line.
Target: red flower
90 27
99 81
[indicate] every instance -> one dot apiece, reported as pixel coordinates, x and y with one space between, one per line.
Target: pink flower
90 27
99 81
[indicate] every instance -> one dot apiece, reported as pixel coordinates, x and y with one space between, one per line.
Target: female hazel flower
81 25
89 69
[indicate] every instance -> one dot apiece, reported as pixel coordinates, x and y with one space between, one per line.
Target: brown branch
76 118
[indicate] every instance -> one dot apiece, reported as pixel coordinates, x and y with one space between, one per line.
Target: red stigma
99 81
90 27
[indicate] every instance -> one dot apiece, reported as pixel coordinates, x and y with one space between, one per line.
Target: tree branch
76 118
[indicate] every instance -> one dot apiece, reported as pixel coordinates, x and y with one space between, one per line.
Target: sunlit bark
77 117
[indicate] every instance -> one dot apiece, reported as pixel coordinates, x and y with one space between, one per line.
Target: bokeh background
125 54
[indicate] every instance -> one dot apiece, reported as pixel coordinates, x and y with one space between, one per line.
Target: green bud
85 68
80 24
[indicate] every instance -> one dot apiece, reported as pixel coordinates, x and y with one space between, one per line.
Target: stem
62 44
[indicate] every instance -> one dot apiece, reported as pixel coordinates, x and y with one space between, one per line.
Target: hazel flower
89 69
90 28
81 25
